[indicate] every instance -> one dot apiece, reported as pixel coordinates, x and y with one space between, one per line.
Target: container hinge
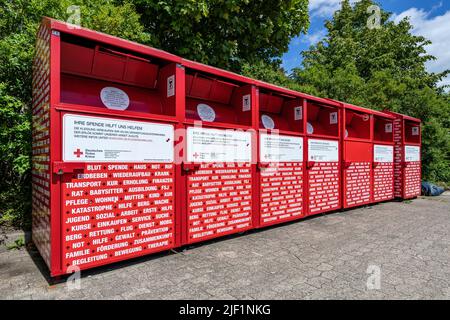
191 166
61 168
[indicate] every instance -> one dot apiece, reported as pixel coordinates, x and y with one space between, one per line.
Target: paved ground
320 258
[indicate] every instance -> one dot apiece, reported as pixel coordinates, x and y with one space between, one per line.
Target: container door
357 173
219 182
281 178
412 172
117 189
323 176
383 172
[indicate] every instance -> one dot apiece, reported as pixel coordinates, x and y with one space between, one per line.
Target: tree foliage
224 33
382 68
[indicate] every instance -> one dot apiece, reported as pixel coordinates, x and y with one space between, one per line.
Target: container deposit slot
110 78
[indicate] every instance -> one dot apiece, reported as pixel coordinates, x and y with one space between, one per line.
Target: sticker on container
346 133
205 112
214 145
415 131
309 128
388 128
280 148
267 122
323 150
333 117
246 103
412 153
97 139
114 98
170 86
383 153
298 113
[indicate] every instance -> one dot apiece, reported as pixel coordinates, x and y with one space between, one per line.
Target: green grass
19 243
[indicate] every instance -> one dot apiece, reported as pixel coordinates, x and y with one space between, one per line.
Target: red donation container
356 156
280 157
104 114
407 163
383 157
218 169
323 168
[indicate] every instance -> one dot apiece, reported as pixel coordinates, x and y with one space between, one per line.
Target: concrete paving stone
325 257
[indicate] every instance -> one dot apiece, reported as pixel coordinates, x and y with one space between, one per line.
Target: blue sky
430 19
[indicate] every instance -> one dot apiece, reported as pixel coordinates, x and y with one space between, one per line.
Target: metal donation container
104 111
356 156
323 168
136 151
280 154
383 157
218 153
407 160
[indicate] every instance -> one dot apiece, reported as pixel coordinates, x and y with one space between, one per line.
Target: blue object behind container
429 189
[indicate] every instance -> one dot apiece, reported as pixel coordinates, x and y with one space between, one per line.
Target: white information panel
383 153
323 150
95 139
214 145
280 148
412 153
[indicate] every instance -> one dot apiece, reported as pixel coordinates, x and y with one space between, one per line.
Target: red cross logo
78 153
195 155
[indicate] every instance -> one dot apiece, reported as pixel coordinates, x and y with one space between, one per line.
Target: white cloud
437 30
323 8
313 38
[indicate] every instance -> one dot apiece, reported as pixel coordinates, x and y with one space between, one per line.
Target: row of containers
137 151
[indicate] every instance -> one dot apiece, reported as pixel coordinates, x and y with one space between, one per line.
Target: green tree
382 68
224 33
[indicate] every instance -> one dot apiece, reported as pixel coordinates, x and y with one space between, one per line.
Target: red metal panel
85 91
110 40
280 157
398 158
407 172
324 189
116 211
41 179
357 177
218 182
323 167
412 179
219 200
281 192
55 152
383 181
357 181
